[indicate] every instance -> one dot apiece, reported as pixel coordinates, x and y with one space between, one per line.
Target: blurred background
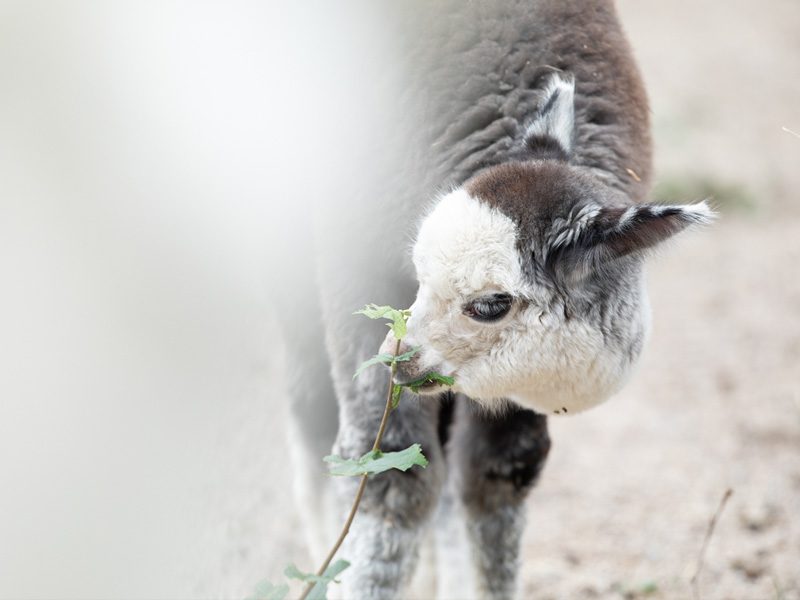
143 146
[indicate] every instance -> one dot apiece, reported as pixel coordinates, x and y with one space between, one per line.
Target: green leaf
377 462
386 359
375 360
415 385
406 355
373 311
320 589
292 572
397 392
398 318
267 591
398 325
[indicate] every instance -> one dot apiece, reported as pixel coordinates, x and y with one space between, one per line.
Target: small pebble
751 567
758 516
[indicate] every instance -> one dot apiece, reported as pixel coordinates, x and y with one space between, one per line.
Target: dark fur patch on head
535 195
570 225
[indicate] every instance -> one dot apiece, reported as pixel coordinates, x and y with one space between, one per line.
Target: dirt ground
624 502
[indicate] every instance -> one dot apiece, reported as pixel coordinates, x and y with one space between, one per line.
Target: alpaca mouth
425 388
427 384
430 389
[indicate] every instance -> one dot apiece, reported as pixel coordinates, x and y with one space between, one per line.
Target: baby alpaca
529 284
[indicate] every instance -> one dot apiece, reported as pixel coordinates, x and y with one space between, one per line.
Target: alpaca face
531 293
478 318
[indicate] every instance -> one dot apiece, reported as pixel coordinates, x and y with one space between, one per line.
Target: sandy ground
625 500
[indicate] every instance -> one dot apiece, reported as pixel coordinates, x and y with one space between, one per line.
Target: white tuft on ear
694 214
555 119
593 235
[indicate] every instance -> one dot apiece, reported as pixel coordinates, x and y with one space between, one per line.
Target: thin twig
633 174
695 580
794 133
362 484
388 408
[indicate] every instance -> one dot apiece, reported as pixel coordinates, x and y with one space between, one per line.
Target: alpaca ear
550 133
594 235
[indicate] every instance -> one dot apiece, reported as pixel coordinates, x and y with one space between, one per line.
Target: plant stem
362 484
388 408
695 580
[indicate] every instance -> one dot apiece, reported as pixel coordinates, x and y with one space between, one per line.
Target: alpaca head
530 280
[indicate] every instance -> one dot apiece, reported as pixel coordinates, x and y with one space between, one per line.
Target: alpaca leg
499 458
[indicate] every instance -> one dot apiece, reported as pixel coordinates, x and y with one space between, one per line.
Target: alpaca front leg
384 539
498 459
495 539
383 558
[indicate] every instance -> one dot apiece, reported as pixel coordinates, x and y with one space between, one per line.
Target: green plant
372 463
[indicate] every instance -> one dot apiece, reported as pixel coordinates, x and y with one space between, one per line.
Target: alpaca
525 283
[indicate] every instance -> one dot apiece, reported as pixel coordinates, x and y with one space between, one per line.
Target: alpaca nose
406 370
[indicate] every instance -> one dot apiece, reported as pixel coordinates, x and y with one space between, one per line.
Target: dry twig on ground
695 580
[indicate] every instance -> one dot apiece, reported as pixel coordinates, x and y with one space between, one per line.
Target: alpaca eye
488 308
